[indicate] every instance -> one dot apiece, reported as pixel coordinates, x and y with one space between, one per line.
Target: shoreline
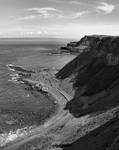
10 136
19 132
62 122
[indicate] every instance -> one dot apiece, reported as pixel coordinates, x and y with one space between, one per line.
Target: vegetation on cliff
95 74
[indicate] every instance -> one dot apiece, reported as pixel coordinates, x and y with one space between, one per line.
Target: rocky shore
86 91
18 118
94 74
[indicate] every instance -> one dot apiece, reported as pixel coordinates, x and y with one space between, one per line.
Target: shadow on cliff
96 85
96 72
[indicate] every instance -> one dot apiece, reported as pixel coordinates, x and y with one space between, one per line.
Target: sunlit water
41 57
28 56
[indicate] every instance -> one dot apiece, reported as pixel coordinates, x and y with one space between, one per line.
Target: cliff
79 46
95 73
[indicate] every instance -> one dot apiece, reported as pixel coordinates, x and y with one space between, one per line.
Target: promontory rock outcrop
83 44
95 80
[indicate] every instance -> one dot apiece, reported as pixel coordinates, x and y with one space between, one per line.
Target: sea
14 99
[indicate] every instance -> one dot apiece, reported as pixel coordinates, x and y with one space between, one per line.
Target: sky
58 18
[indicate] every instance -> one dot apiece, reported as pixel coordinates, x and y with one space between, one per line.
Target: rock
96 69
103 138
82 45
95 74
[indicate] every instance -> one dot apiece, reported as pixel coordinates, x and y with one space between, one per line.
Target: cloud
59 1
50 13
30 17
46 12
70 2
40 13
79 14
105 7
53 12
75 2
39 10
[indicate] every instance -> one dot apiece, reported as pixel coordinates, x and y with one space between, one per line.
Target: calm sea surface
26 55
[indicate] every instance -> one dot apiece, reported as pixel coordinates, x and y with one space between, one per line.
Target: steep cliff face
96 72
94 46
104 138
83 44
86 48
96 85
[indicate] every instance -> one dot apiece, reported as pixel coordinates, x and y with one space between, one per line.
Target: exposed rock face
96 71
103 138
96 84
82 45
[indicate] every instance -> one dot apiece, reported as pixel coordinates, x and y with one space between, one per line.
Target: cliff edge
95 77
